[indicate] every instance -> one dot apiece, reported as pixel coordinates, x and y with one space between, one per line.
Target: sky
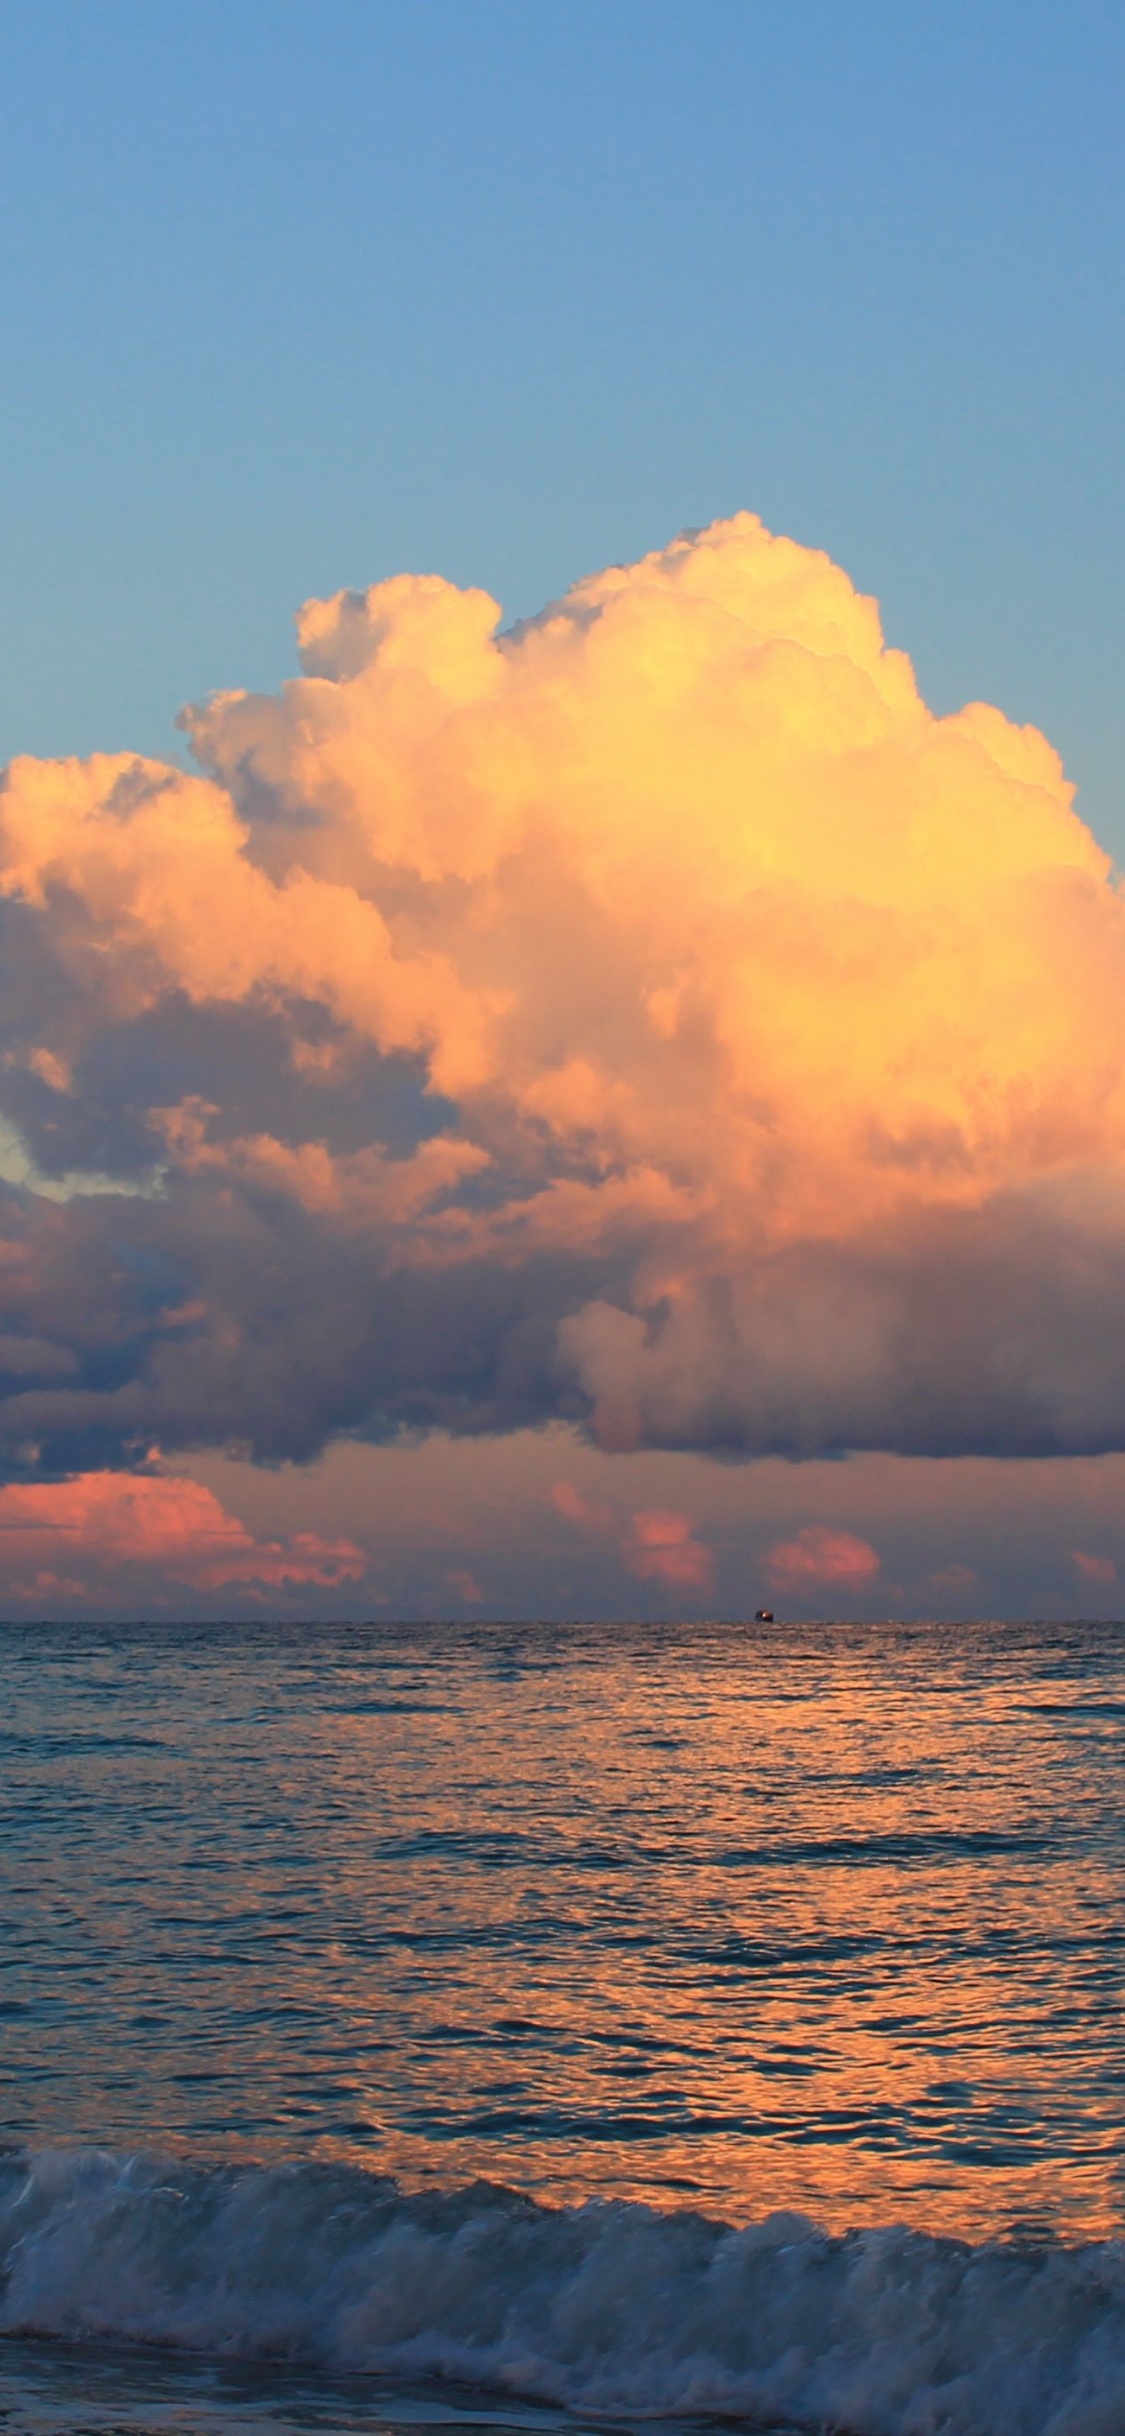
585 1078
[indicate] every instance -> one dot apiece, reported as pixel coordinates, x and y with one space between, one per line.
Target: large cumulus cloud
652 1014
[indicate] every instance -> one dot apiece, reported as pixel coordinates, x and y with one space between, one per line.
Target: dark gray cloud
209 1315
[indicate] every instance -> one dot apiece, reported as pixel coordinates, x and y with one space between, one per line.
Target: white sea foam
607 2308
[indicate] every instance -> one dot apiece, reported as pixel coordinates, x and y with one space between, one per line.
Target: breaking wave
607 2308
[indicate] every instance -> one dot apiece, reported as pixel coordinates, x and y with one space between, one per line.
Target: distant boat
763 1615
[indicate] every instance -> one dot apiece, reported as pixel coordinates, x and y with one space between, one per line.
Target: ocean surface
529 2026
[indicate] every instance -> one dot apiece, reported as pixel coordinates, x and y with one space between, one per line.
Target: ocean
538 2026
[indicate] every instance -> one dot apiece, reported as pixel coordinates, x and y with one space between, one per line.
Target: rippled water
818 1919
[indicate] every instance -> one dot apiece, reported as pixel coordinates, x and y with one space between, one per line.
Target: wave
609 2308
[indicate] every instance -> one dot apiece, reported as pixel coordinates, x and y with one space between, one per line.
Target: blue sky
295 297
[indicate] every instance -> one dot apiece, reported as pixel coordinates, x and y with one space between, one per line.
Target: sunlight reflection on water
822 1918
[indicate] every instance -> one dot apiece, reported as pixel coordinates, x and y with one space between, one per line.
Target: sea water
502 2025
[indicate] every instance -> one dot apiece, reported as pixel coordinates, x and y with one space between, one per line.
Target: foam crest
609 2307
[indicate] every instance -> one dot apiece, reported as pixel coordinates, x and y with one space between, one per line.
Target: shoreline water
277 2295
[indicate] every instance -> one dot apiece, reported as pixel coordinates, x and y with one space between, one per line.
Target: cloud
655 1543
819 1558
1094 1568
661 1546
651 1016
465 1585
592 1515
51 1532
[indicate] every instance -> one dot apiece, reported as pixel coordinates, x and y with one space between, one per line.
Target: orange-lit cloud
818 1558
56 1537
652 1014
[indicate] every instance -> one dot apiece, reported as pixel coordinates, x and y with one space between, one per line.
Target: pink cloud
660 1547
586 1513
170 1526
819 1556
466 1586
1093 1568
656 1543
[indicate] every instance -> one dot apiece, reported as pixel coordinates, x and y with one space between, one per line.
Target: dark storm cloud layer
211 1317
654 1018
